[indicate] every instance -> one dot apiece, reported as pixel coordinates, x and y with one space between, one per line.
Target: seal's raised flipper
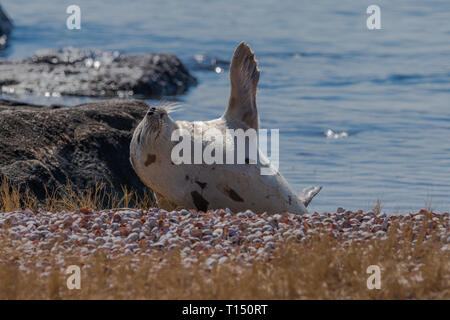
309 193
244 76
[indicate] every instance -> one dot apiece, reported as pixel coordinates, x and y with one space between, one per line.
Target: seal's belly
237 187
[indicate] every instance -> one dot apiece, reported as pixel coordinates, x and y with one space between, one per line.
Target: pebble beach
216 236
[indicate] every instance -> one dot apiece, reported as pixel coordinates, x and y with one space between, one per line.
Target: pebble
132 237
218 236
136 224
222 260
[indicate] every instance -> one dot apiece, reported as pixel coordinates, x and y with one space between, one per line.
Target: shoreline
205 247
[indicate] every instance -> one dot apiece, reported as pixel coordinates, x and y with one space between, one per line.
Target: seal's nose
151 111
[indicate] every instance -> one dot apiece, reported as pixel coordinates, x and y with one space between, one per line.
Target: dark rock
5 28
44 148
85 72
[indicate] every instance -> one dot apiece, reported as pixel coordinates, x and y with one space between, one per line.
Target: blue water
322 69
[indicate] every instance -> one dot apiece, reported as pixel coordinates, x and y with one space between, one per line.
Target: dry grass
378 208
318 270
69 198
321 268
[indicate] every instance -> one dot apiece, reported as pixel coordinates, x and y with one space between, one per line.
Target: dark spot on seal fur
201 184
233 195
150 159
199 202
290 200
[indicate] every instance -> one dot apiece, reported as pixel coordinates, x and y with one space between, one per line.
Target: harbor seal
212 186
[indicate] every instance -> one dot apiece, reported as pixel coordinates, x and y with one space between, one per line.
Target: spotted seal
210 186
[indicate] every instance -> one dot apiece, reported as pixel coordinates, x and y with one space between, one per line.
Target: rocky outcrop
85 145
5 28
85 72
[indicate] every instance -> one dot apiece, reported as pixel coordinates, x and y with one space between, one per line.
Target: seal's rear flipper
244 76
309 193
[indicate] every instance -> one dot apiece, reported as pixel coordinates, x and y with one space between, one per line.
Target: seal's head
151 136
156 126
